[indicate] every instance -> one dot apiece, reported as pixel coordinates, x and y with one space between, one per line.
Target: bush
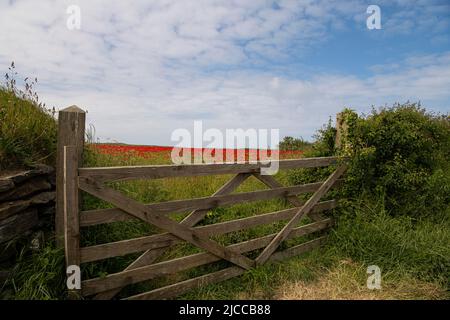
401 154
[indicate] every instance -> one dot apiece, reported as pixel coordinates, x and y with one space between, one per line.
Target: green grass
37 275
27 132
420 248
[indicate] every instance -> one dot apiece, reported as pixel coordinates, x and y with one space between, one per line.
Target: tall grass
401 245
27 128
37 275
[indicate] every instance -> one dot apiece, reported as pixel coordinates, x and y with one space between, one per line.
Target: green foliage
27 128
325 140
400 153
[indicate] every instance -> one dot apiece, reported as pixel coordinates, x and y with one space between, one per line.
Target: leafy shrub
400 153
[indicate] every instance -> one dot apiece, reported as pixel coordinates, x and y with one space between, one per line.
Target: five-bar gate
94 181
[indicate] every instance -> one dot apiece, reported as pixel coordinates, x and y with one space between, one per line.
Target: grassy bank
27 128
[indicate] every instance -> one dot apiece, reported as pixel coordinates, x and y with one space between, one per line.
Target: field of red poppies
162 154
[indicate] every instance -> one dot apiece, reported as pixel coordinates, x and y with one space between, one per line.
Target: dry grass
347 281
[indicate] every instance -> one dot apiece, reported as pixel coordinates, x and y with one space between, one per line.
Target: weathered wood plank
118 248
186 285
180 264
140 211
219 276
17 177
93 217
305 209
71 211
190 220
10 208
297 250
71 130
164 171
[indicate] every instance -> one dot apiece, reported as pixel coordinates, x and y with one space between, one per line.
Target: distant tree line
290 143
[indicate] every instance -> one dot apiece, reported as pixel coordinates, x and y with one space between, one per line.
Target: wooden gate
146 267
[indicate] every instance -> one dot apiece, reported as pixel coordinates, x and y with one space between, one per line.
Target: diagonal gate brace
307 207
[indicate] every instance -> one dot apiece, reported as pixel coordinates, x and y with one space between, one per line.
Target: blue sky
145 68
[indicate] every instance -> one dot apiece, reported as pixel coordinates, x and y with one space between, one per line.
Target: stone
15 226
26 189
19 176
9 208
6 184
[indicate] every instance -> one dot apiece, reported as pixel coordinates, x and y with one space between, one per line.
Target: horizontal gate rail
94 217
165 171
140 211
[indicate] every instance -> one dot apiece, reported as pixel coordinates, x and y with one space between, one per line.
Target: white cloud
145 69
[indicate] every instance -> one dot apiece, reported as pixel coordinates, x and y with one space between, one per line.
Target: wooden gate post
341 128
71 130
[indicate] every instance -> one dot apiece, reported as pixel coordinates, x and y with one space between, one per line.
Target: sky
143 69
